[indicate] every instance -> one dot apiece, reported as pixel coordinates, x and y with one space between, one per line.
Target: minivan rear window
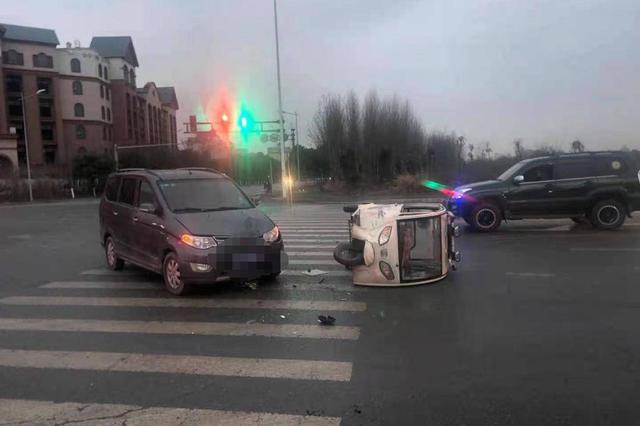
111 188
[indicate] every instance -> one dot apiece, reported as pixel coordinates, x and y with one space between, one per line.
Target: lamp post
297 142
26 138
280 115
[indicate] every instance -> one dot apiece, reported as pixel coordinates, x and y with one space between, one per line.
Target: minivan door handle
135 218
115 213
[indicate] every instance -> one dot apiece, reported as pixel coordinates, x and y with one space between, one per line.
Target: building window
99 70
126 74
132 77
82 150
75 65
44 84
101 91
108 93
108 114
12 57
13 83
14 107
47 131
102 111
49 152
81 132
104 133
78 110
109 133
106 73
46 107
77 87
42 60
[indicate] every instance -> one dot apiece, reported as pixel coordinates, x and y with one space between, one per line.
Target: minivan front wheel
486 217
113 261
172 277
608 214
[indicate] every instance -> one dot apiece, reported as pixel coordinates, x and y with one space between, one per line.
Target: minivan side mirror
256 199
518 179
150 208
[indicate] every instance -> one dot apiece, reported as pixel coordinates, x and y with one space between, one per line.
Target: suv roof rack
203 169
137 169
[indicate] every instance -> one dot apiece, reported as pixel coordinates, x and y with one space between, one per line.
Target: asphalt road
539 325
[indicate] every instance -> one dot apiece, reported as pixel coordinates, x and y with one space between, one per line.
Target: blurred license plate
247 258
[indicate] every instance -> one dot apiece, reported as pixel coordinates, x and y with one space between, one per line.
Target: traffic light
245 123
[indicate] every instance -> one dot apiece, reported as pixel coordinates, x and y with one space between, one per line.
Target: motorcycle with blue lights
394 245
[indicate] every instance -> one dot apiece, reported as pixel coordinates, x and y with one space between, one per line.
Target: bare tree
519 149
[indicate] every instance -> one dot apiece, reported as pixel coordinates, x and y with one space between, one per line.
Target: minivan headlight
202 243
271 236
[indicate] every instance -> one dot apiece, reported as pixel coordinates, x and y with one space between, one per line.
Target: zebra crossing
96 343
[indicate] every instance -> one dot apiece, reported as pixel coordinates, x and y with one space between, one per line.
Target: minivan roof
184 173
586 154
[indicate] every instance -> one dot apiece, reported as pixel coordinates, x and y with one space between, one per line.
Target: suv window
606 166
146 195
111 188
539 173
128 191
573 169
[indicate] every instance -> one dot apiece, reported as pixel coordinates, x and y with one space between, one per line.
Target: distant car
190 225
602 187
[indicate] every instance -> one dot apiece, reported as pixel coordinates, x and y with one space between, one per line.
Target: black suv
603 187
190 225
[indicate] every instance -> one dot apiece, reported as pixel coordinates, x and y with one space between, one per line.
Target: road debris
314 272
326 320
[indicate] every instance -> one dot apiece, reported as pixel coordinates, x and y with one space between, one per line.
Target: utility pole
282 165
26 138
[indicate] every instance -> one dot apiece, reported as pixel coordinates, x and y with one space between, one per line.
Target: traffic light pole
282 165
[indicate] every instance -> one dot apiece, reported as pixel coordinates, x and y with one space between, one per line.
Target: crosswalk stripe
111 274
120 285
310 253
22 411
308 246
306 305
142 285
182 327
312 240
315 234
179 364
312 262
301 273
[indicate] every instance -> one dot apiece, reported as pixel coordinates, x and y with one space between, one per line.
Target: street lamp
297 141
26 139
280 115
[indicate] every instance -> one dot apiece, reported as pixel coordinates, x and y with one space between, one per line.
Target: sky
546 72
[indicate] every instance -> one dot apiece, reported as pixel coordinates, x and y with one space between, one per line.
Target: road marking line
120 285
182 327
312 262
312 240
22 411
314 234
301 273
309 246
605 249
179 364
310 253
110 272
307 228
303 305
530 274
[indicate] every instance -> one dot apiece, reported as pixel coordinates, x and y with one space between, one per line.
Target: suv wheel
486 217
608 214
113 261
171 274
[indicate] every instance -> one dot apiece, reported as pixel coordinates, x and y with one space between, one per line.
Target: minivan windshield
199 195
510 172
